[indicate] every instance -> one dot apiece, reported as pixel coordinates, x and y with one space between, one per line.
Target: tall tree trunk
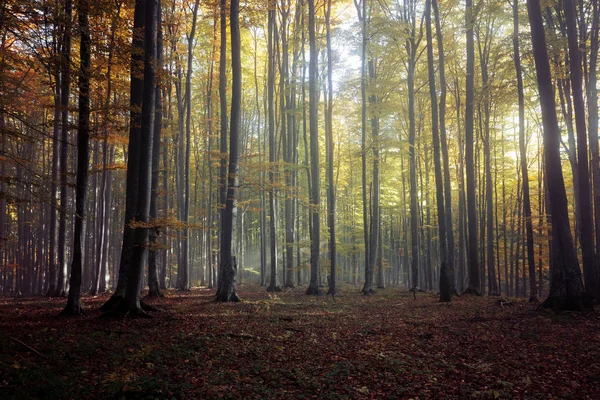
133 154
184 269
523 151
451 273
153 284
223 115
329 143
585 206
227 289
445 287
64 149
52 266
361 9
592 98
474 286
273 287
375 234
566 286
313 94
73 306
132 302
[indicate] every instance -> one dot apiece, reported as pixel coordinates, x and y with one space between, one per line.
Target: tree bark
132 302
444 145
73 306
153 284
329 143
227 291
585 206
313 94
133 155
64 149
445 288
523 152
566 286
474 286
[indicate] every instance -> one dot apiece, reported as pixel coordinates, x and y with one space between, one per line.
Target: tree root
471 292
569 303
313 290
273 289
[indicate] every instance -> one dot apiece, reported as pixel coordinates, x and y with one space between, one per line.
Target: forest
408 190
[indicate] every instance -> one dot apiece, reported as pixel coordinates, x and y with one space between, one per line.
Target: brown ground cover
291 346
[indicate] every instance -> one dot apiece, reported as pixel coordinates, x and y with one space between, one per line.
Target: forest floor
290 346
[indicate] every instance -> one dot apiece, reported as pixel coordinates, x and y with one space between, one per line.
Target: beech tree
73 306
566 287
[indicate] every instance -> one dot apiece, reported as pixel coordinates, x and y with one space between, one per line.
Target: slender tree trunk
523 151
445 286
52 266
273 286
329 143
361 9
446 159
229 266
153 284
474 279
313 288
73 306
64 149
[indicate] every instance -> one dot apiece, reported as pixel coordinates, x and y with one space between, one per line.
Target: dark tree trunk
153 284
361 9
64 149
132 302
375 233
585 206
523 152
228 262
446 159
52 267
445 288
566 286
329 137
474 286
273 287
411 51
133 154
592 97
223 115
183 271
313 94
73 306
